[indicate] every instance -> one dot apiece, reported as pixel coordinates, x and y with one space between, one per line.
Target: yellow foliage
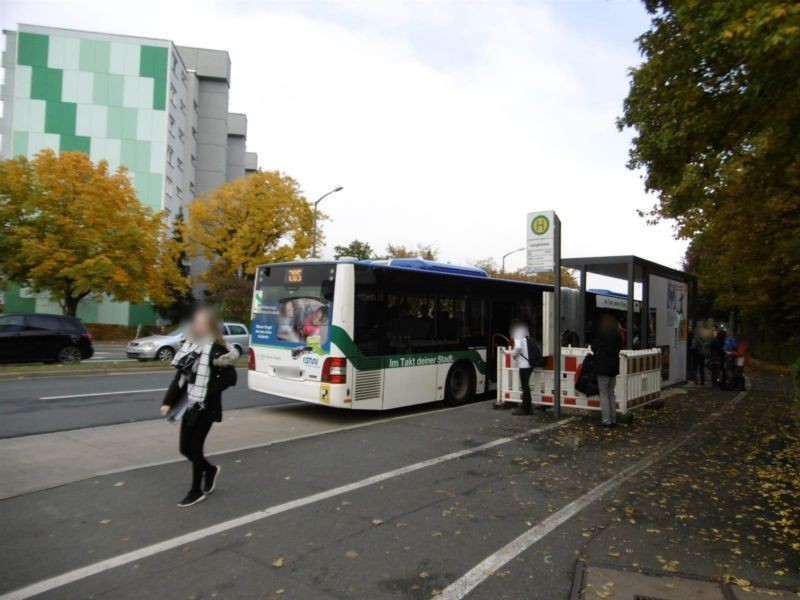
252 220
257 219
75 229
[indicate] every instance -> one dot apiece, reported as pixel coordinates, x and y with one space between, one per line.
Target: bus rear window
292 305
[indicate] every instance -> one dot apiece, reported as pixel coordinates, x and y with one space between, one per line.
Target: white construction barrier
638 382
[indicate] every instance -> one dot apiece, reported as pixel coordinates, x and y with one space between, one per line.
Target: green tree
356 249
180 300
256 219
715 109
73 230
424 251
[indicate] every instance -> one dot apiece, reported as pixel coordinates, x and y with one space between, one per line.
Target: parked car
164 347
43 338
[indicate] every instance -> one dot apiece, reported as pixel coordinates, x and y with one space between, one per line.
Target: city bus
379 335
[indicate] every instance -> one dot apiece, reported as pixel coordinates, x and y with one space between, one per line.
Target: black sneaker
210 480
191 499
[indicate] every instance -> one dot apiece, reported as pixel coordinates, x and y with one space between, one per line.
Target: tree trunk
70 305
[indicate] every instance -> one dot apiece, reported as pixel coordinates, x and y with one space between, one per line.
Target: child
315 321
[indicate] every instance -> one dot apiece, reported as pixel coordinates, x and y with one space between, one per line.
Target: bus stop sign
541 242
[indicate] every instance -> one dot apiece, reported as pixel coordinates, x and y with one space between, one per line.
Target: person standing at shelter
698 344
718 359
605 347
519 334
741 356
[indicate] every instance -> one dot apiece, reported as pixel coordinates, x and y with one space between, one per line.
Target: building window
172 93
179 192
180 134
183 77
183 107
194 133
169 187
170 153
172 126
194 160
191 188
180 165
174 64
195 105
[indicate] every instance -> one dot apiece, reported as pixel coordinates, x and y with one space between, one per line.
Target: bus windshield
292 305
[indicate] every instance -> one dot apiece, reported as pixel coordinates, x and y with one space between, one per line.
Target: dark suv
43 338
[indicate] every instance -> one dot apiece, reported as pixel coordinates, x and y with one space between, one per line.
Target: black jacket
606 347
221 379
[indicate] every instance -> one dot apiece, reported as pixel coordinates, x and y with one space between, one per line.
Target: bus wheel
460 386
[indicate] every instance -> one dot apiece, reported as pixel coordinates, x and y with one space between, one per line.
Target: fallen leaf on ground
278 562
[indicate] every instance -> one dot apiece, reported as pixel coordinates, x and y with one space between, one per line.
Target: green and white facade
158 109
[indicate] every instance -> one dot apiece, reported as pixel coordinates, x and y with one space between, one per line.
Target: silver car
164 347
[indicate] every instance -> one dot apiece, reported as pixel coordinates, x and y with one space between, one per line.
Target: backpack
536 358
585 377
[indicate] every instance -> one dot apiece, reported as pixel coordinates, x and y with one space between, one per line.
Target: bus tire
460 385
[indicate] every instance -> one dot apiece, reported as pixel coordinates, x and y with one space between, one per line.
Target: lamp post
321 198
503 268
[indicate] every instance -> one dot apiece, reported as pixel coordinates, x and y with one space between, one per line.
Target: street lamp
321 198
503 268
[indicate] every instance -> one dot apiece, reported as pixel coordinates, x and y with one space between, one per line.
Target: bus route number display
294 276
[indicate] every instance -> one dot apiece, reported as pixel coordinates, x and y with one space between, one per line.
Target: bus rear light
334 370
252 364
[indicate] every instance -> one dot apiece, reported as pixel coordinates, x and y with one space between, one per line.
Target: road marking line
296 404
102 394
194 536
487 567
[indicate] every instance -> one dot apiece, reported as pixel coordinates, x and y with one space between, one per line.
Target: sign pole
556 317
544 256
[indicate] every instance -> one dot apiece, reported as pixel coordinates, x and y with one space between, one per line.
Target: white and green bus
379 335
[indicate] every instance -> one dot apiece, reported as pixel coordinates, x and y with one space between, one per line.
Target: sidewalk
37 462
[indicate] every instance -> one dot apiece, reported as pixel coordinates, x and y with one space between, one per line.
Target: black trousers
192 440
718 374
525 384
738 378
700 369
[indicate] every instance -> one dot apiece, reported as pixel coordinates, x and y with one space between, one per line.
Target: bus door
502 311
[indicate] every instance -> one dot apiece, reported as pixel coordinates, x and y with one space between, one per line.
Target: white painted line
102 394
194 536
487 567
295 404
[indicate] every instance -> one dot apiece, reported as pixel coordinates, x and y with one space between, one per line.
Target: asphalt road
107 352
468 502
42 405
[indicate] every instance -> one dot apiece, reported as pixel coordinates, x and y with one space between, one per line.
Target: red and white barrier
638 382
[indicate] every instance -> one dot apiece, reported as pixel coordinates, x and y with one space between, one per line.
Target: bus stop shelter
665 305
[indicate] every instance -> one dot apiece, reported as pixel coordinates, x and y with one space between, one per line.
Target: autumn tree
490 266
715 109
259 218
425 251
73 229
356 249
179 301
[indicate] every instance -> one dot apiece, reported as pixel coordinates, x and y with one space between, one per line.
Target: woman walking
205 368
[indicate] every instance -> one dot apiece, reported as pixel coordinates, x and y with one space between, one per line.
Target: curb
21 375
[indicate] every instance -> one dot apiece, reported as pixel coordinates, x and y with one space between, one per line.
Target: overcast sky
445 121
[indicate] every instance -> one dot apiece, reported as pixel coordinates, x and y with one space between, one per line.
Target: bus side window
370 322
